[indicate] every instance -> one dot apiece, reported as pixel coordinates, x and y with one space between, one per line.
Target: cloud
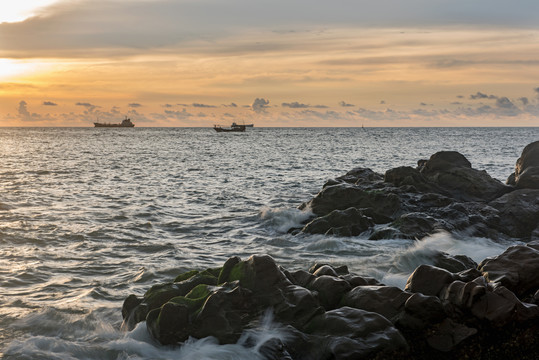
260 105
505 103
134 105
88 106
49 103
167 106
180 115
231 105
480 95
295 105
198 105
24 114
524 100
536 90
344 104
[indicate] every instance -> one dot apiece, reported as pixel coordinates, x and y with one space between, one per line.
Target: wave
426 250
285 219
107 342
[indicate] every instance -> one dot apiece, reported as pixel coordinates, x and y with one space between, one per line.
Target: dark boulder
444 160
344 196
349 222
428 280
518 212
385 300
350 333
527 167
517 268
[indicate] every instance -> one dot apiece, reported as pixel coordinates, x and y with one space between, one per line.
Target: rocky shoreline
455 309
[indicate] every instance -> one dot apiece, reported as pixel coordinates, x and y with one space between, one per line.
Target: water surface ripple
89 216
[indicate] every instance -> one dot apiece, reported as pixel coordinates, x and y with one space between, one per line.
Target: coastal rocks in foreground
329 313
442 193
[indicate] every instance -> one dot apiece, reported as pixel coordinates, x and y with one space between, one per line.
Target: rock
299 277
451 171
330 290
529 178
349 222
385 300
449 334
467 184
526 168
327 318
420 311
344 196
415 225
517 268
355 334
453 263
327 269
428 280
444 160
360 175
406 175
296 306
355 280
518 212
274 349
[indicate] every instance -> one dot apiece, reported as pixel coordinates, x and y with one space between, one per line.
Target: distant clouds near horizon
283 63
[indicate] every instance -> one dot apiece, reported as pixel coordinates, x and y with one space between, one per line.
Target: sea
89 216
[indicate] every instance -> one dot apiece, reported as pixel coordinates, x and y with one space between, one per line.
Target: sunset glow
153 61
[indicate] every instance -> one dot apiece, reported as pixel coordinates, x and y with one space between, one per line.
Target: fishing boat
233 128
125 123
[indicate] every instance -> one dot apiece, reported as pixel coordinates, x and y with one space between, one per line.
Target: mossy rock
194 299
186 275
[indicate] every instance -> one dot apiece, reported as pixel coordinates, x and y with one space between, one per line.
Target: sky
173 63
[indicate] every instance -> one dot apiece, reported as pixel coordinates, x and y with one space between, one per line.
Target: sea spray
426 250
285 219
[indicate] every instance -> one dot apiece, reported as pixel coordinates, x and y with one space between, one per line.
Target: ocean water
89 216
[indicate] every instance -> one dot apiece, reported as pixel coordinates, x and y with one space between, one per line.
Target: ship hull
113 125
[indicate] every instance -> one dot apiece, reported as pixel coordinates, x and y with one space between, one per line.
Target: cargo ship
125 123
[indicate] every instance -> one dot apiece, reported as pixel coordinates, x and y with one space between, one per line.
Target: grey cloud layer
73 26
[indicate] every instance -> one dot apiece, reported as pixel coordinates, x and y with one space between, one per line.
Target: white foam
285 219
424 251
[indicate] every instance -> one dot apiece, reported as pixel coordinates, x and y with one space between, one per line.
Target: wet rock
527 167
444 160
330 290
296 306
299 277
274 349
385 300
415 225
517 268
355 334
449 334
360 175
453 172
327 269
493 303
420 311
528 179
518 212
428 280
349 222
344 196
453 263
327 318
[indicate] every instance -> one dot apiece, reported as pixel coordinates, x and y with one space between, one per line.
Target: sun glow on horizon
10 69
